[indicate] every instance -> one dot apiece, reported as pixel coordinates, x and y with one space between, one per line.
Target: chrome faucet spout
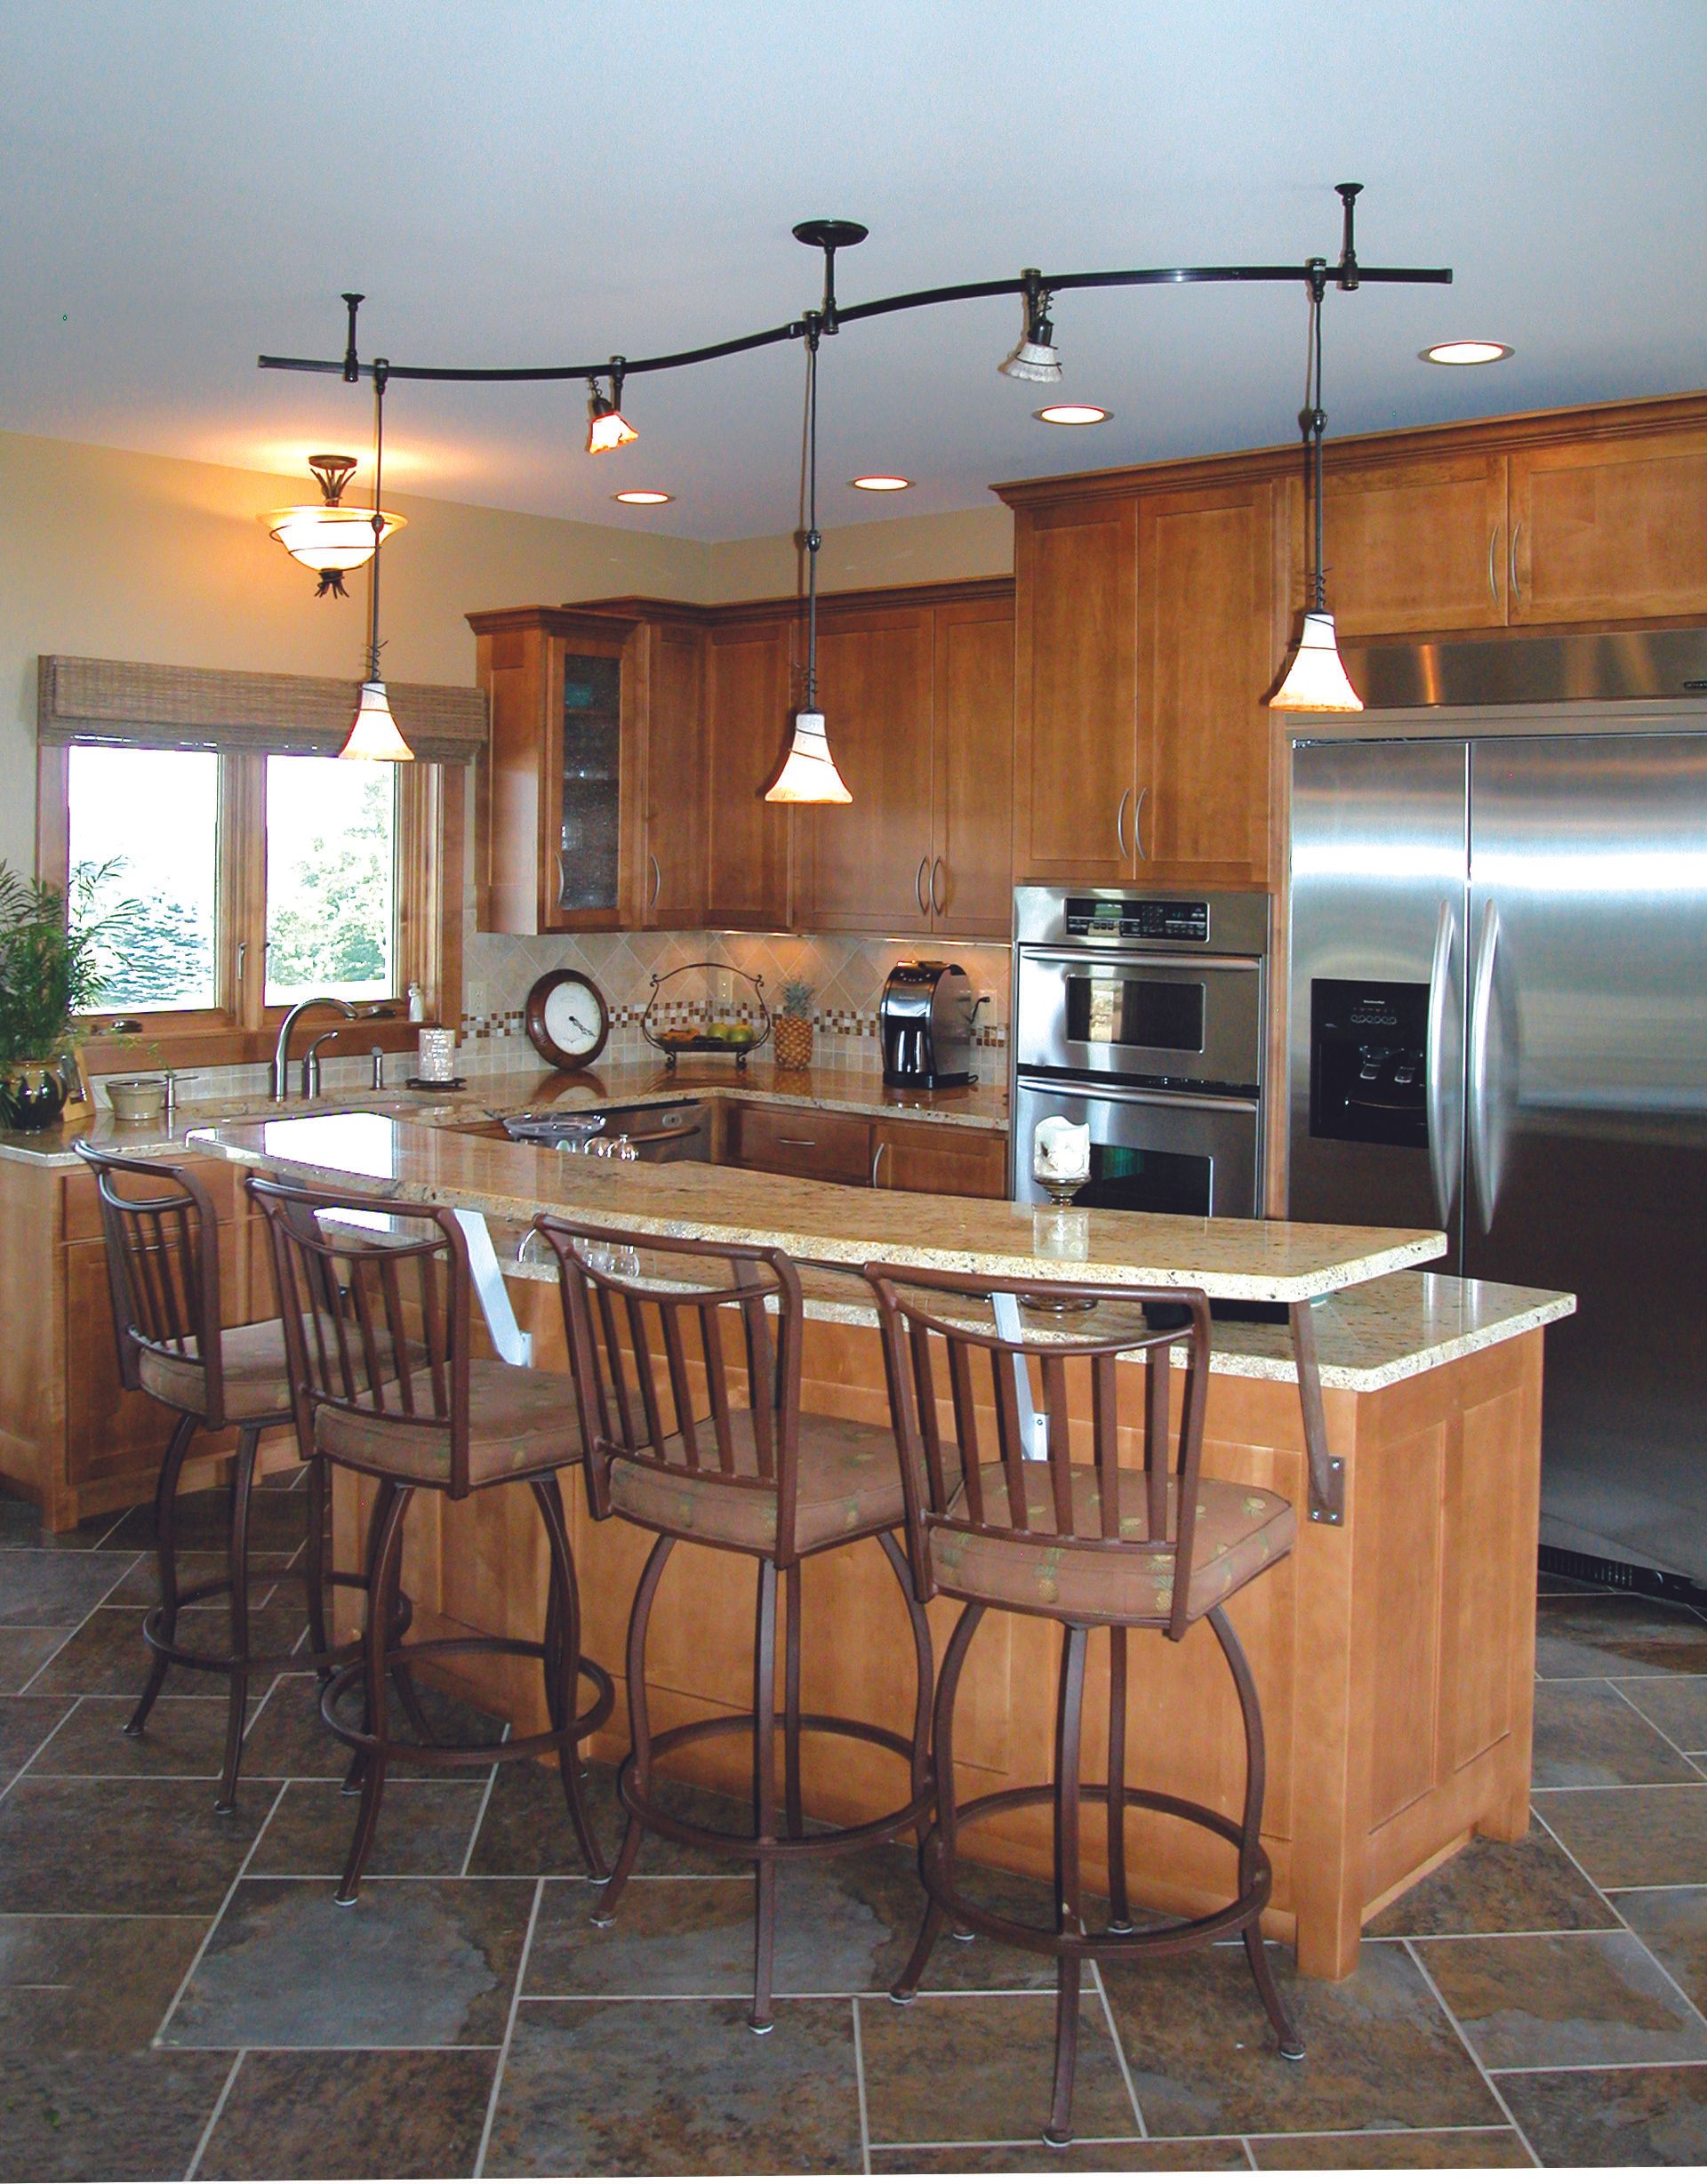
282 1052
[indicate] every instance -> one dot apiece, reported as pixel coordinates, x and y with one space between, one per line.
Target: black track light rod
831 235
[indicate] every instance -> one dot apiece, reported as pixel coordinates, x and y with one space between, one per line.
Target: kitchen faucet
311 1059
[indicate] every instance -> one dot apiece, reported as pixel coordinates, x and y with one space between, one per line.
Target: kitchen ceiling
189 182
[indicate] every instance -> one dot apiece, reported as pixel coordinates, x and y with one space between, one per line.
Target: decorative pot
791 1036
32 1095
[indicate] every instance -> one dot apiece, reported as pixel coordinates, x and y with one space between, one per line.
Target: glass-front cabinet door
589 852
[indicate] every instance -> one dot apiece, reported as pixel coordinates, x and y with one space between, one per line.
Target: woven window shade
137 703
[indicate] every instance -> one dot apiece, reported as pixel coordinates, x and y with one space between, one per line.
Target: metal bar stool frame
163 1278
915 1304
368 1362
621 1423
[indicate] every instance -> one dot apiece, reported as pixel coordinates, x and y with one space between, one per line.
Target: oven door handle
1093 962
1125 1095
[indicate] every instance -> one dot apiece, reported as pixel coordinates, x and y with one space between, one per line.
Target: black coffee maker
926 1017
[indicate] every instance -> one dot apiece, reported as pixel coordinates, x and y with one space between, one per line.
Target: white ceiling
187 182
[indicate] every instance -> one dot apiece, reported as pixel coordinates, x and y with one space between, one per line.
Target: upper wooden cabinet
594 718
1416 543
1610 528
920 704
1076 689
748 696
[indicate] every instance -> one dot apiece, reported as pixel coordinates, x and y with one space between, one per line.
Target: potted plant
48 977
793 1029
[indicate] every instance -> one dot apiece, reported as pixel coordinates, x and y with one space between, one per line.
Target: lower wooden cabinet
828 1147
801 1141
924 1156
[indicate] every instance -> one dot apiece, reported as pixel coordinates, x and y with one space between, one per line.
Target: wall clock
567 1020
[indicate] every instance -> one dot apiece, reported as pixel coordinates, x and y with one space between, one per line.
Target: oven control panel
1092 917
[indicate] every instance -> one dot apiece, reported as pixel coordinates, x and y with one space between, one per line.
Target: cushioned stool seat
520 1421
255 1372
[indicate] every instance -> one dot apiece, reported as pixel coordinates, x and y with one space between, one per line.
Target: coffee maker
926 1017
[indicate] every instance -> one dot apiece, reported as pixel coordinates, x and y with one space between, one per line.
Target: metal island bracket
1326 1472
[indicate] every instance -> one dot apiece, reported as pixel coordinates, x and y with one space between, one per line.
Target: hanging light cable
1316 680
809 774
373 733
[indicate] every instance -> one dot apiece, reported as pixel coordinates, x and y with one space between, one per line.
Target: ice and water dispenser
1369 1062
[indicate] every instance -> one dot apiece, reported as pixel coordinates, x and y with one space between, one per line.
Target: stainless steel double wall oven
1144 1016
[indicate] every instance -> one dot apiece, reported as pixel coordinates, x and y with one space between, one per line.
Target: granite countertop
851 1091
408 1162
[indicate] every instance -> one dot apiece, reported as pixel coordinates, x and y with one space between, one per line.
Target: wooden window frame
241 1026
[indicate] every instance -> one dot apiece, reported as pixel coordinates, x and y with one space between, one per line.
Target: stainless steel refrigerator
1498 1025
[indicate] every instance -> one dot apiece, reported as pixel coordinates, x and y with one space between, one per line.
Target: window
234 883
332 890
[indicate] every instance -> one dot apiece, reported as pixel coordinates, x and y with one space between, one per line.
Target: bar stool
163 1269
1089 1544
648 1318
387 1387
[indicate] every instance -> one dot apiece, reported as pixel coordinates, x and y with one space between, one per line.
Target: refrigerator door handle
1483 1164
1445 1030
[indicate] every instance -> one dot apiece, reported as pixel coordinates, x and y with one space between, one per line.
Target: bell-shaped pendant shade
373 733
606 427
1035 361
808 774
1316 680
327 538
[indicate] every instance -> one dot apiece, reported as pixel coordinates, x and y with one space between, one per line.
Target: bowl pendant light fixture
1034 356
809 774
373 733
606 427
330 539
1316 680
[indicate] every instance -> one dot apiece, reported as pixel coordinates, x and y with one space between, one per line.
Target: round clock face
567 1019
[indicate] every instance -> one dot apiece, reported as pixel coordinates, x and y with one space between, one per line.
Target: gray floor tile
417 2114
1677 1706
619 2089
1617 1633
1586 1735
982 2067
415 1964
109 1657
74 2117
201 1566
25 1724
22 1526
277 1523
120 1846
1557 2001
1673 1922
425 1829
184 1736
1395 2149
1594 2119
1495 1888
1632 1838
1124 2157
24 1652
289 1738
102 1983
40 1586
1380 2053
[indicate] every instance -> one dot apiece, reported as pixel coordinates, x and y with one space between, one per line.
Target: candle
1061 1151
436 1056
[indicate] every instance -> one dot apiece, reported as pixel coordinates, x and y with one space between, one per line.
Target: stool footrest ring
349 1677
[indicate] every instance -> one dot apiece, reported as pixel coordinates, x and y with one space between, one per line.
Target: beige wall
145 557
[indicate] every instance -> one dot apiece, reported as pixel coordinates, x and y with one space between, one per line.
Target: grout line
225 1901
1476 2060
1120 2046
1685 1757
479 2163
1653 1887
859 2083
218 2110
123 1517
480 1817
23 1690
7 1788
1540 2070
1246 2149
1602 1789
1542 1822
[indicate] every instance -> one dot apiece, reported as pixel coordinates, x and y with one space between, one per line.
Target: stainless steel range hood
1507 668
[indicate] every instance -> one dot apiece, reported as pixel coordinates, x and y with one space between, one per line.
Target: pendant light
809 774
1316 680
373 733
606 427
329 539
1034 356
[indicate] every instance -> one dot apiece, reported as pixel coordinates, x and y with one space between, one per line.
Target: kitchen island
1393 1649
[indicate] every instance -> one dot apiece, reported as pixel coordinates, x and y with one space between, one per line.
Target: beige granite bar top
1281 1261
851 1091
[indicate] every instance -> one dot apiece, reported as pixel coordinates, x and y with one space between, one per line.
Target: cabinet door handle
796 1141
1138 827
936 873
1493 548
877 1159
657 882
1512 562
562 877
918 886
1120 822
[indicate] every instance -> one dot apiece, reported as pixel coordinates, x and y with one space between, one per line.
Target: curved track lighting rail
831 235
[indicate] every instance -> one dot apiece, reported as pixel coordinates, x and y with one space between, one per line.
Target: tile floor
180 1998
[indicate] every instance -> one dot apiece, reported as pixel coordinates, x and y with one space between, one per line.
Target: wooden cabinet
814 1142
1076 689
920 705
1212 590
1611 528
749 691
925 1156
596 723
1416 542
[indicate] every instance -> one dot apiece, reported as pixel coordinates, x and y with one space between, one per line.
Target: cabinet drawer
82 1203
925 1156
803 1141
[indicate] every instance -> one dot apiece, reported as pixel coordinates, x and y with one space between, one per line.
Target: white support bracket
1326 1472
515 1346
1034 1424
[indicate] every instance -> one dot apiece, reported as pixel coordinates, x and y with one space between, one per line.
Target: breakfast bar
1393 1648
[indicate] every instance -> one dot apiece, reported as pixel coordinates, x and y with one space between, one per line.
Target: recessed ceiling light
1072 413
637 498
1467 352
881 485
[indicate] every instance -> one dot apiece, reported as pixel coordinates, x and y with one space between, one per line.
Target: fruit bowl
734 1036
